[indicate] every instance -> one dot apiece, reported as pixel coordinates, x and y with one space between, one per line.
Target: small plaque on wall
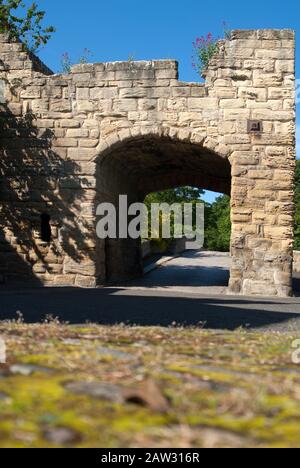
255 126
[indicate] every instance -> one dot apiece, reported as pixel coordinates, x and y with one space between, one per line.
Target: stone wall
71 141
296 263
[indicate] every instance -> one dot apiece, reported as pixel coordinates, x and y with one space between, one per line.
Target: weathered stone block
166 74
66 142
69 123
61 105
286 66
83 93
265 114
136 74
64 280
181 91
257 94
88 142
265 65
85 281
147 104
81 78
258 288
133 93
77 133
225 93
44 123
86 267
232 103
267 79
202 103
81 154
105 75
31 92
87 106
125 105
235 114
281 54
273 105
272 34
104 93
39 105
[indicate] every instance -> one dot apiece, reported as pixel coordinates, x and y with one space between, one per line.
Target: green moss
255 426
238 383
208 375
137 420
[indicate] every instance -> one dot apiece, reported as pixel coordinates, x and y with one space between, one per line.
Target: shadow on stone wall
35 180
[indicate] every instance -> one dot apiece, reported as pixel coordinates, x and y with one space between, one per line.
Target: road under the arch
188 291
192 272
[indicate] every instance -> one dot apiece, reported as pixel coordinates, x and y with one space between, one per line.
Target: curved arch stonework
71 141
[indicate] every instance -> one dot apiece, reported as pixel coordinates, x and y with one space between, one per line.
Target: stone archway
55 127
144 164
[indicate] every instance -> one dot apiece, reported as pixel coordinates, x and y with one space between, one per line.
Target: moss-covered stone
224 389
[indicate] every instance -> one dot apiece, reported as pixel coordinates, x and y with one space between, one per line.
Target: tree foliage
218 225
178 195
24 23
173 196
217 214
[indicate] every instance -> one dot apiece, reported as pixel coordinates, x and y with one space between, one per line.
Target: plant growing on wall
205 47
227 30
67 63
24 23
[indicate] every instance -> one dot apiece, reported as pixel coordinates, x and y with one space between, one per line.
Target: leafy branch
24 23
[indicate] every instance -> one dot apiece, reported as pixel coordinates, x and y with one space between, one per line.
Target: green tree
178 195
217 214
218 225
24 23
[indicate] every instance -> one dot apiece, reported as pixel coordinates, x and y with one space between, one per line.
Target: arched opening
143 165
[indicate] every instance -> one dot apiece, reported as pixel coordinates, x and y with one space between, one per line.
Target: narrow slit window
45 227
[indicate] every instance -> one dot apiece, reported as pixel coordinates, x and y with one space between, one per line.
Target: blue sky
156 29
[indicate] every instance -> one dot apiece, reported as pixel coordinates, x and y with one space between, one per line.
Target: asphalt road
189 291
190 273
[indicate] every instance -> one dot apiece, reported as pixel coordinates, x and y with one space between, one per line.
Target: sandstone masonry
68 142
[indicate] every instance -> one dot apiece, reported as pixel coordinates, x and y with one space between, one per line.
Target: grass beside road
95 386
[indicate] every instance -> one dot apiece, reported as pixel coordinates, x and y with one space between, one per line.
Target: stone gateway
69 142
